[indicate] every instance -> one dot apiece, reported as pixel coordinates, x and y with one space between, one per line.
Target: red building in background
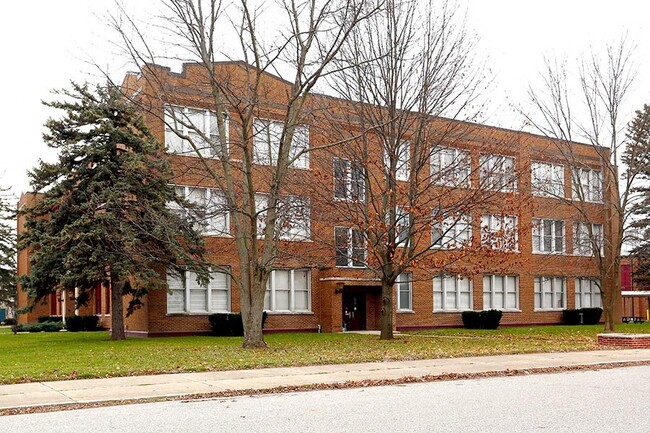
636 300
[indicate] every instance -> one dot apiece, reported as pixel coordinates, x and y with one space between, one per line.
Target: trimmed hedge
82 323
9 321
229 324
43 319
488 319
40 327
590 316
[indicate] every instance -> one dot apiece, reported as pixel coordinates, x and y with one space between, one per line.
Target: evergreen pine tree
637 158
7 252
103 216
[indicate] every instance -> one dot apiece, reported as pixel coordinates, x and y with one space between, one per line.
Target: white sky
46 43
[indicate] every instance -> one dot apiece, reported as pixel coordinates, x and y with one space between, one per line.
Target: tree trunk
117 311
251 314
386 311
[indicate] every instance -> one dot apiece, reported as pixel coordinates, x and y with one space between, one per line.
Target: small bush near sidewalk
590 316
43 319
488 319
82 323
40 327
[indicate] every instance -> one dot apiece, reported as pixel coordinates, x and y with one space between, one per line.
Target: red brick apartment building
550 266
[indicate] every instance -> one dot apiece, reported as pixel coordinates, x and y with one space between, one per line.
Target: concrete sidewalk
184 384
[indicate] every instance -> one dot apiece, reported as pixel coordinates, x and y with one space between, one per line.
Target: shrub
590 316
40 327
229 324
81 323
488 319
43 319
10 321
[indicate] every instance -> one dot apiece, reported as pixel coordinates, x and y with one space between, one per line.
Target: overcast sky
46 43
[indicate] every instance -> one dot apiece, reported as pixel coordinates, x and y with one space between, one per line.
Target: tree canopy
103 217
7 252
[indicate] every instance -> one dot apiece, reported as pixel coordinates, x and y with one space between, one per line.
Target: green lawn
67 355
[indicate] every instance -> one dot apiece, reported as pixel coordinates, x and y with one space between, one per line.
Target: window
209 209
213 297
199 125
288 290
547 180
349 180
451 167
583 243
587 184
500 232
452 232
293 220
548 236
452 293
402 156
404 292
402 227
587 293
350 247
498 172
501 292
550 293
266 142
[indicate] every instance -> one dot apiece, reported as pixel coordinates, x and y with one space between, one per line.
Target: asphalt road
590 401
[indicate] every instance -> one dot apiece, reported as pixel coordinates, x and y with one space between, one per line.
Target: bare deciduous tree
240 94
588 108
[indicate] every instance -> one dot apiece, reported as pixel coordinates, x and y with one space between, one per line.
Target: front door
354 310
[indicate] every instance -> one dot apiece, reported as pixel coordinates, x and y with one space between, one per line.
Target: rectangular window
349 180
547 180
500 232
185 127
501 292
293 217
208 209
548 236
266 141
453 231
584 242
587 185
404 292
452 293
451 167
350 247
587 293
550 293
402 227
186 295
402 154
498 172
288 291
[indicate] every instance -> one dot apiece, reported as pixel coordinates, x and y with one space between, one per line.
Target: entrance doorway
354 309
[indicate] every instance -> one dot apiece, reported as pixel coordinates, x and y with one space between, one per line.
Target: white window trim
186 130
488 238
577 244
441 177
208 196
553 292
443 287
348 181
261 217
488 176
451 226
538 224
591 195
273 160
594 291
398 283
187 276
505 292
549 183
350 248
270 283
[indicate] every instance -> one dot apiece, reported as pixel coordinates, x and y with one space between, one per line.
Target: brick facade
329 285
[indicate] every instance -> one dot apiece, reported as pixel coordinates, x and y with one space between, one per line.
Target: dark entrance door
354 309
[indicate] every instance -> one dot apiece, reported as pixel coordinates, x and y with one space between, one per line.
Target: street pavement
187 384
584 401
